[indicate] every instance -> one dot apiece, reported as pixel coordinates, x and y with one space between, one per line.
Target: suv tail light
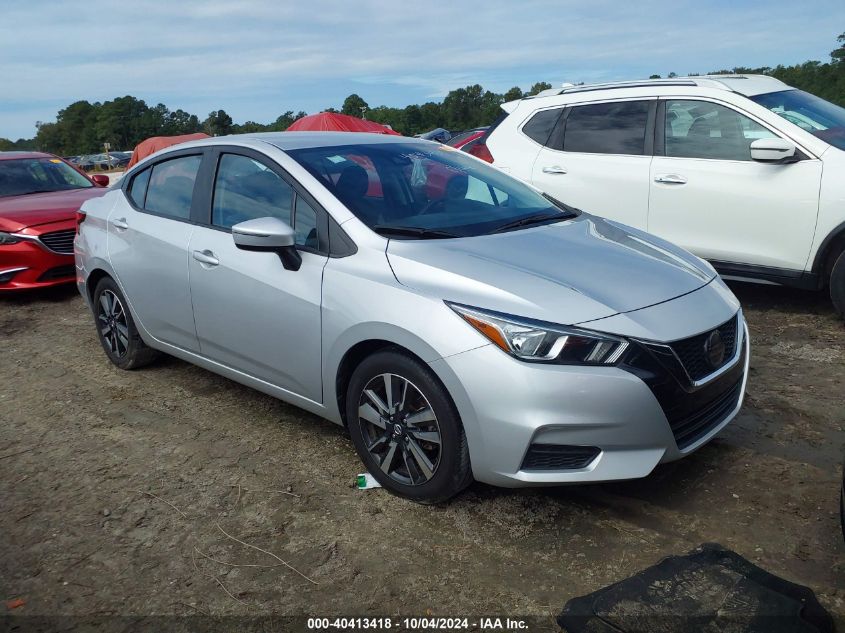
480 150
80 218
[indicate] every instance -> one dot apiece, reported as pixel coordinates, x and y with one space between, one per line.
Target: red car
39 197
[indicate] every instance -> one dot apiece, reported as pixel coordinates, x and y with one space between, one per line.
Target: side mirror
100 179
773 150
269 235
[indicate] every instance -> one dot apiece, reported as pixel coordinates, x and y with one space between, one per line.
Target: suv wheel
837 284
116 329
406 428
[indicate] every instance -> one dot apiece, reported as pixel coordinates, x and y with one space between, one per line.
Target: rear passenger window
540 126
171 187
138 188
607 128
246 189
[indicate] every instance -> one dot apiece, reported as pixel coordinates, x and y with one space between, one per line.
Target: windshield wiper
537 218
412 231
562 205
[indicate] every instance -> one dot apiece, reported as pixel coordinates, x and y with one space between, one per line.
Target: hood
19 212
570 272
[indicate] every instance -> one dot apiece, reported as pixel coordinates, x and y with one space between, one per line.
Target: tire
116 328
429 462
837 284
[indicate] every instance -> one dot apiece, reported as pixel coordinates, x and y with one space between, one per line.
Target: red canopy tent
334 122
155 143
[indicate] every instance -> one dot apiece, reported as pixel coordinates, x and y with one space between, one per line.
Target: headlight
543 342
8 238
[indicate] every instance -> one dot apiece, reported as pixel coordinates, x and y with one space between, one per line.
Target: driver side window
245 189
701 129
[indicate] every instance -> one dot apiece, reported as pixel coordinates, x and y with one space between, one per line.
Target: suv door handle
554 169
670 179
120 223
206 257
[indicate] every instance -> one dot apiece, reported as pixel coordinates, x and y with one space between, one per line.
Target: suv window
171 187
246 189
607 128
539 127
701 129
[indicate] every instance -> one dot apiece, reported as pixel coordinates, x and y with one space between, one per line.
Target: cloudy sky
258 58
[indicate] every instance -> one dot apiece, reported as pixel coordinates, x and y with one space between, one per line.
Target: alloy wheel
111 320
400 429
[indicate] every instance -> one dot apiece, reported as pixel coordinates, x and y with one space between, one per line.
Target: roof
18 154
748 85
300 140
336 122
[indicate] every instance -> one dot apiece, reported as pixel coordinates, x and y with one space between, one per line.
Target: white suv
742 170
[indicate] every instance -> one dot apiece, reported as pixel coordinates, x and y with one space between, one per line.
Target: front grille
688 430
693 356
59 272
558 457
59 241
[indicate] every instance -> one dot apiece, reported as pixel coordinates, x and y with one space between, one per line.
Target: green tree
354 105
513 94
654 77
539 87
180 122
838 54
218 123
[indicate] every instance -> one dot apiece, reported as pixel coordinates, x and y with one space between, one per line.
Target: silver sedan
458 322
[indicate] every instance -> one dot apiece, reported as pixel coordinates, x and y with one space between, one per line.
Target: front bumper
28 264
508 405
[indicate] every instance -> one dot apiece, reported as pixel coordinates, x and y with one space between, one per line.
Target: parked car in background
489 332
104 162
465 140
39 197
437 134
742 170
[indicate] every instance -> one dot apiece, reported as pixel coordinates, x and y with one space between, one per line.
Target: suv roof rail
642 83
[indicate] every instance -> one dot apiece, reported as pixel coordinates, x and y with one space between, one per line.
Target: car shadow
51 294
791 300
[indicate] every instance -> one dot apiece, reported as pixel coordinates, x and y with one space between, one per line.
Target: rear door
597 159
251 313
149 231
710 197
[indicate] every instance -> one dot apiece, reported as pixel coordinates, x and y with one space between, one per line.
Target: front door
708 196
251 313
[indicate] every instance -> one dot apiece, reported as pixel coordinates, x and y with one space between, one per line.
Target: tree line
83 127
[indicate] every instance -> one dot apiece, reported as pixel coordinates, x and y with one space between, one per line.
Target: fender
821 254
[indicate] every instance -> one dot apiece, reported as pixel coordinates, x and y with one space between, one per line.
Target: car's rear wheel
116 328
837 284
406 428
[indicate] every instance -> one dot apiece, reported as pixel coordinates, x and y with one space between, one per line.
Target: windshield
419 190
809 112
21 176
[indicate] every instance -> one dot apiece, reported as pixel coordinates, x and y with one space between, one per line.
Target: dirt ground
124 492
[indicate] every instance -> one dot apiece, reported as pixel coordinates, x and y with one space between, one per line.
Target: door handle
554 169
670 179
120 223
206 257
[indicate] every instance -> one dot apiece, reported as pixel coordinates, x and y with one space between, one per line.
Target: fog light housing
7 275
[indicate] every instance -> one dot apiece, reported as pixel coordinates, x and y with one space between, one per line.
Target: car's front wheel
116 328
406 428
